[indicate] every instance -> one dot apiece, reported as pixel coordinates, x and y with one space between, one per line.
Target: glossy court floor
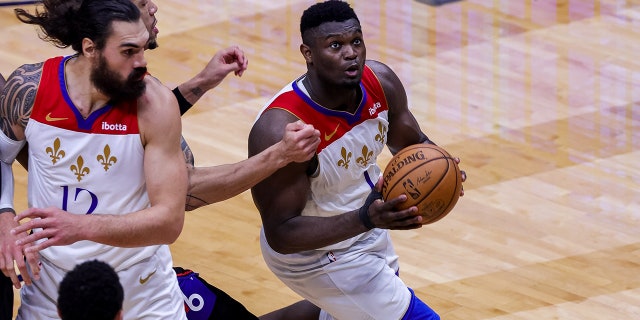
540 100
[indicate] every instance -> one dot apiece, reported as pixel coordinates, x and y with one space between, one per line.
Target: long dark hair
66 22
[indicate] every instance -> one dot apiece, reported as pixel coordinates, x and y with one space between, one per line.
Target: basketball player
208 183
216 183
106 174
92 290
325 229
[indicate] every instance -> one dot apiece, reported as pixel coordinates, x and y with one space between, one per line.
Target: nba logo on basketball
428 176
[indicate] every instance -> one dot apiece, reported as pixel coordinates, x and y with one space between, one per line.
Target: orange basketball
430 178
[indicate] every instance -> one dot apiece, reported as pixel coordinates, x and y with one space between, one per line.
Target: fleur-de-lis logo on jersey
382 133
365 158
106 160
346 158
79 170
55 153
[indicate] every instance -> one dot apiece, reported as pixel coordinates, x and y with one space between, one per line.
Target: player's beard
111 84
152 44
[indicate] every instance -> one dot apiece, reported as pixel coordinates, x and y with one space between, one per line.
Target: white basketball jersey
85 166
349 148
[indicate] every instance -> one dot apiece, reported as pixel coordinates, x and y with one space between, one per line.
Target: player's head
332 42
66 23
110 34
148 11
322 12
92 290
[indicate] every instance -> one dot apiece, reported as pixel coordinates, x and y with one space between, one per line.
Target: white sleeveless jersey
349 147
85 166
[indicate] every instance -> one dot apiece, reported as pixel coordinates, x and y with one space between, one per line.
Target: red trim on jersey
54 107
334 124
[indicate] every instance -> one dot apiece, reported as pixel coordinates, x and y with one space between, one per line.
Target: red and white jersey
349 147
85 166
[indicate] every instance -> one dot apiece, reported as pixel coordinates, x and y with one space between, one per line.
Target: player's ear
306 53
119 316
88 47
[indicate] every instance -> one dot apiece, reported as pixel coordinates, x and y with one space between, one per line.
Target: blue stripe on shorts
419 310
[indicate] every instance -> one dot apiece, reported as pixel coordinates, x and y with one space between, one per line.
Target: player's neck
340 98
84 95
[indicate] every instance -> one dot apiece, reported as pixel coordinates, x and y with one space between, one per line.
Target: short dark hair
66 22
328 11
92 290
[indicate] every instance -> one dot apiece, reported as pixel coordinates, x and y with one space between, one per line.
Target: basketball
430 178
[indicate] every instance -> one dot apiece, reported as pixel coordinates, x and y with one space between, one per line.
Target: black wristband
363 214
364 217
182 102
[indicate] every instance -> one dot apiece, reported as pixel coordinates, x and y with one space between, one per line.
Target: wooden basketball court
539 98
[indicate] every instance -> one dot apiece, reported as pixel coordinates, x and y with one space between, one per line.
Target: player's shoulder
31 66
22 82
277 109
387 77
274 119
156 94
379 68
155 87
158 112
29 73
269 128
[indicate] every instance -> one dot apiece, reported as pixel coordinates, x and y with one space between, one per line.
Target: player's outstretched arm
217 183
225 61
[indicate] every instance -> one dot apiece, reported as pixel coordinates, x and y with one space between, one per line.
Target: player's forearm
6 218
193 89
217 183
304 233
190 92
151 226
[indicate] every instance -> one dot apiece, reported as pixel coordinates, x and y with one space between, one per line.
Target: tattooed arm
17 98
16 103
23 155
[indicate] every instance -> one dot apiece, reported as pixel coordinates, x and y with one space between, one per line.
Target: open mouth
154 26
353 70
